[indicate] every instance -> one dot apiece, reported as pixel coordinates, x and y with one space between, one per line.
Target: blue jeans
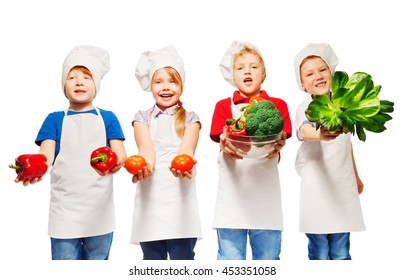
177 249
86 248
265 244
329 246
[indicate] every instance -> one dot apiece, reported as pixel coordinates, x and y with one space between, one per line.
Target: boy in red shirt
249 197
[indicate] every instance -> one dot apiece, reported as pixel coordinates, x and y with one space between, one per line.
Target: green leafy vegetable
354 106
262 119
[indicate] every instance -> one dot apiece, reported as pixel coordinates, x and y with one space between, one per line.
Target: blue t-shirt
52 127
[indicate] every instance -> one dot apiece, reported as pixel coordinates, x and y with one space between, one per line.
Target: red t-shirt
223 112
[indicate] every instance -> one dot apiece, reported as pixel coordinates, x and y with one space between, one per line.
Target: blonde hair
246 49
180 113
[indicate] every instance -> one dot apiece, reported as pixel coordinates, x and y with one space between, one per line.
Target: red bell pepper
103 160
30 166
236 131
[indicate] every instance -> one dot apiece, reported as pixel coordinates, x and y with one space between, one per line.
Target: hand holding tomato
134 164
137 166
182 165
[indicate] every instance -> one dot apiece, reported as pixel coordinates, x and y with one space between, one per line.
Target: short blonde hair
246 49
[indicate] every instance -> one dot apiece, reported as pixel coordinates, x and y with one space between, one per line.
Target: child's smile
165 91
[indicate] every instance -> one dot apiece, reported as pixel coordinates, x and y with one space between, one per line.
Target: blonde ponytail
179 120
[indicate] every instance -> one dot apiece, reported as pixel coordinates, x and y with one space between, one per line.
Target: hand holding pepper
236 131
103 160
30 168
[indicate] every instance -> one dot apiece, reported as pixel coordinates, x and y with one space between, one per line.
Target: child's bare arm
190 139
119 149
146 150
310 133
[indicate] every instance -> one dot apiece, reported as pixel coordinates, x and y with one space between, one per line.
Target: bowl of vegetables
251 146
255 132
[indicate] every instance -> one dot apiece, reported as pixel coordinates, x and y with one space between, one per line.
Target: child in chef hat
248 203
329 201
166 220
81 215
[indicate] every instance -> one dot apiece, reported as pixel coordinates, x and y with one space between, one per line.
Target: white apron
81 203
165 207
249 194
329 200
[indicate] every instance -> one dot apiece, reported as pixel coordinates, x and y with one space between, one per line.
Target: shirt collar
169 111
239 99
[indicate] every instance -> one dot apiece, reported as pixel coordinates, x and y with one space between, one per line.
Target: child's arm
188 146
47 148
146 150
190 139
119 149
358 179
310 133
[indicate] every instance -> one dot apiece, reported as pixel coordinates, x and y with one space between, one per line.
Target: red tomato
183 163
134 164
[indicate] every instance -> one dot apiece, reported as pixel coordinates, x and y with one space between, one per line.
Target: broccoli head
262 119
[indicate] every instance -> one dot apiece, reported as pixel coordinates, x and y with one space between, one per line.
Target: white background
37 35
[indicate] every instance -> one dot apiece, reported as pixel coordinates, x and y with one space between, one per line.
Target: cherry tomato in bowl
134 164
183 163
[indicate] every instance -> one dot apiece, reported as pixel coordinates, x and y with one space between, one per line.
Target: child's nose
79 81
318 76
166 86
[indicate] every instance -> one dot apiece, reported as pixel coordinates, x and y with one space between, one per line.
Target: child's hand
178 174
28 182
116 168
360 186
228 149
278 146
326 135
142 175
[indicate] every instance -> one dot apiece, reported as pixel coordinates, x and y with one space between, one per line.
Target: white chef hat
151 61
322 50
95 59
226 65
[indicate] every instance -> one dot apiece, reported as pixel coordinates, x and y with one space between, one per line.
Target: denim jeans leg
154 250
66 249
339 246
318 246
232 244
181 249
265 244
97 247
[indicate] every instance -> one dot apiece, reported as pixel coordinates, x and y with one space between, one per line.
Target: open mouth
166 96
248 81
322 84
